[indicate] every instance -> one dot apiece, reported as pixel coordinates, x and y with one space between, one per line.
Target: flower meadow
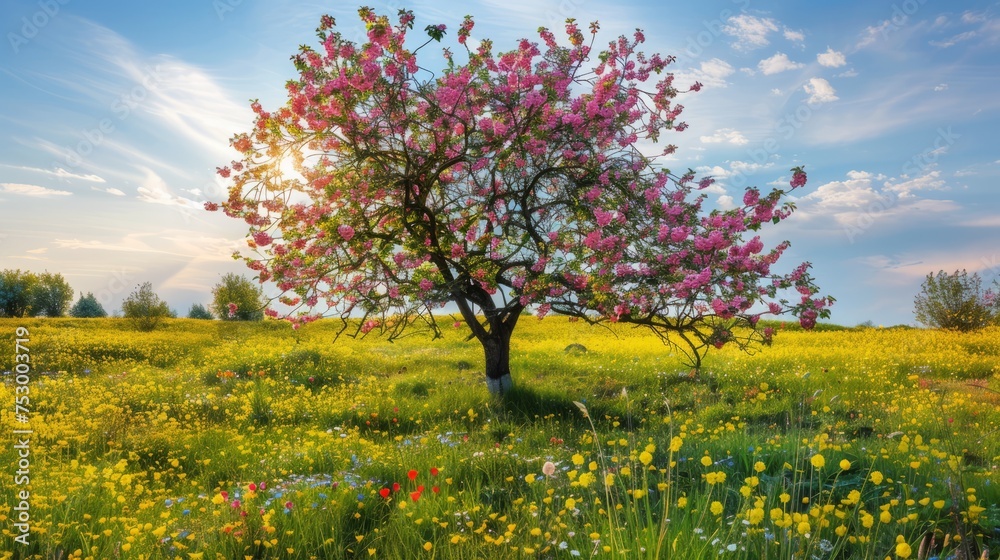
219 440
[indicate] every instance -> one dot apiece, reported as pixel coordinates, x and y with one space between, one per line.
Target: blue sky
116 114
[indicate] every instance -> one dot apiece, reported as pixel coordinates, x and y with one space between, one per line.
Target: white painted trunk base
500 386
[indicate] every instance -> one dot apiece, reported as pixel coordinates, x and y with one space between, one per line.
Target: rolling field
206 440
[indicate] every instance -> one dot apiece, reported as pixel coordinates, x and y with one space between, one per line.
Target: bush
956 302
235 298
88 307
144 309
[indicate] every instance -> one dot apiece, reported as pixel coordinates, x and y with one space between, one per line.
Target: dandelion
845 464
645 458
903 550
549 468
876 477
818 461
428 546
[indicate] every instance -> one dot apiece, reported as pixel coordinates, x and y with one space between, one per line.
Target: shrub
144 309
235 298
956 302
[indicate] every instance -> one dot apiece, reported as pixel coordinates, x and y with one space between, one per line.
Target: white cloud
940 87
864 199
184 99
748 167
726 202
727 135
973 17
58 172
31 190
710 73
713 171
848 73
794 36
831 58
986 221
871 34
155 190
177 243
951 41
820 91
750 32
112 190
775 91
777 63
932 181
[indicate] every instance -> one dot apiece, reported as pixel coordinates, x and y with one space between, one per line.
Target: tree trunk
497 350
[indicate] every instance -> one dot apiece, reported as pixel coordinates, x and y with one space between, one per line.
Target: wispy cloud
172 242
32 190
57 172
156 191
983 222
953 40
110 190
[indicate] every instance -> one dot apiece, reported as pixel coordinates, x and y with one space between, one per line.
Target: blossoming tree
382 192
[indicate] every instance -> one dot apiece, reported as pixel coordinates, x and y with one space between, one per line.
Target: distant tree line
28 294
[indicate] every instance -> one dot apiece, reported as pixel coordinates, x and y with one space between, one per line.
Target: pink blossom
346 232
798 179
262 239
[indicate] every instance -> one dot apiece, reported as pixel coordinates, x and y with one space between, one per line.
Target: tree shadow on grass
527 404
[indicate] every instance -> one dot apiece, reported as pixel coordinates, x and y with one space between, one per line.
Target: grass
215 440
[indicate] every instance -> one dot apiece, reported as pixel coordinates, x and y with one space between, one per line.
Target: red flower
434 471
412 475
395 487
288 505
384 493
414 496
435 489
